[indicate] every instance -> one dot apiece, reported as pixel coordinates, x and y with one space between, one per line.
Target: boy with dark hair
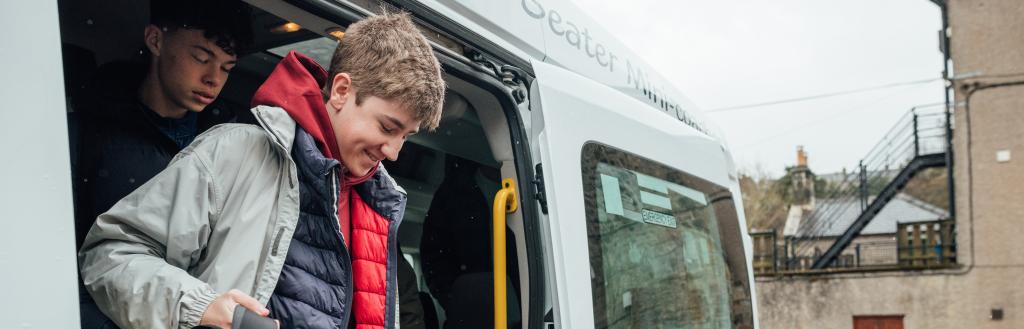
141 113
295 219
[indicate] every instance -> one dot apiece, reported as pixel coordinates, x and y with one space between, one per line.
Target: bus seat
472 303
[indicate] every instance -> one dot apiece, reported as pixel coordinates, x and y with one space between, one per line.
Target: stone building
983 290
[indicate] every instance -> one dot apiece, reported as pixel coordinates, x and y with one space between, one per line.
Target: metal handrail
505 202
912 136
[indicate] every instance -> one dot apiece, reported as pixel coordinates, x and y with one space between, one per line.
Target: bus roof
559 33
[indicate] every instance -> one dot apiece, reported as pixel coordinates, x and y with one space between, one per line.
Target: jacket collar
276 122
296 86
381 191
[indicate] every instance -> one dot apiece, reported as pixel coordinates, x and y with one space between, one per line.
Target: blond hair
386 56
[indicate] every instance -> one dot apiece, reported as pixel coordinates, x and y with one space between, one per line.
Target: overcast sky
728 52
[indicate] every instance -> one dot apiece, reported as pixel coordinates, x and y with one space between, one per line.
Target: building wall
987 44
938 300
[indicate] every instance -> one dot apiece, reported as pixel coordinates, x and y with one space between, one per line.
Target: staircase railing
915 142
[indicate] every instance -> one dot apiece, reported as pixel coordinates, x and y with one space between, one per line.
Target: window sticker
657 200
643 198
690 193
620 193
658 218
612 196
651 183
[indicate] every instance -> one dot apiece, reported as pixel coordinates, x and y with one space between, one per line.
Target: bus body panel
38 267
558 32
575 110
496 21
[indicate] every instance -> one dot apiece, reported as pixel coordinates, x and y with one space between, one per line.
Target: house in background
813 225
807 233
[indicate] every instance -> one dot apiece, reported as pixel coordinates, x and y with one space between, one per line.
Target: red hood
295 85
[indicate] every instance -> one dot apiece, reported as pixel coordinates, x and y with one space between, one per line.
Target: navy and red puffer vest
323 284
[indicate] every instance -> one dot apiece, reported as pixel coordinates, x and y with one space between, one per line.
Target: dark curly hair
225 22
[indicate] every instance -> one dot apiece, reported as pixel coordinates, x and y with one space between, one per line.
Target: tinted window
664 246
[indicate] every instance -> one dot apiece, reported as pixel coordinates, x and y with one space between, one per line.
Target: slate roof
823 221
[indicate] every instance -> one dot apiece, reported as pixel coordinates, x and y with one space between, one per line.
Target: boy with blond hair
296 219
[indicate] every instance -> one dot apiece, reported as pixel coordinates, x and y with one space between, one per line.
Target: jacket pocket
277 241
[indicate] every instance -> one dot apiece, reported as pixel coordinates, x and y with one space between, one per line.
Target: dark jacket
120 143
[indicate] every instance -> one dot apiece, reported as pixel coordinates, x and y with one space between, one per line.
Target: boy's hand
220 312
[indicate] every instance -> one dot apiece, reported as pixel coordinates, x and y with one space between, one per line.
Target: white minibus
619 200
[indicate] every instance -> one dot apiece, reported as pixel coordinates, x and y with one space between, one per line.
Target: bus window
657 244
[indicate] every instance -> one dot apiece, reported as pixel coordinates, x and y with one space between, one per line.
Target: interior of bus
451 175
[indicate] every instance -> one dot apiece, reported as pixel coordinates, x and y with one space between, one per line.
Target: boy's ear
341 90
153 37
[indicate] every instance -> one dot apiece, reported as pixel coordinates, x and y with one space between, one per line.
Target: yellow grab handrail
504 203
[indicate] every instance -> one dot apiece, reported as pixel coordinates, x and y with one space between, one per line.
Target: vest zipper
336 191
336 187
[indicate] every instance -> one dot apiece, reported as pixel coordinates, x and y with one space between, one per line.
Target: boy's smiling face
368 132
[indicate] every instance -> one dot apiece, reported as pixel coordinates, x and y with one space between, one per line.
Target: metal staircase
917 142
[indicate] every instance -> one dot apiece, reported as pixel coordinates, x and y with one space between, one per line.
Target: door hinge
486 64
538 188
517 80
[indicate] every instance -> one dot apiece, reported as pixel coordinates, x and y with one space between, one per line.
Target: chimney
802 180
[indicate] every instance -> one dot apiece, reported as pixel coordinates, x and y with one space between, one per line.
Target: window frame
720 201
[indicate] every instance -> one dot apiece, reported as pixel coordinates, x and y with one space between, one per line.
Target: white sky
735 52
